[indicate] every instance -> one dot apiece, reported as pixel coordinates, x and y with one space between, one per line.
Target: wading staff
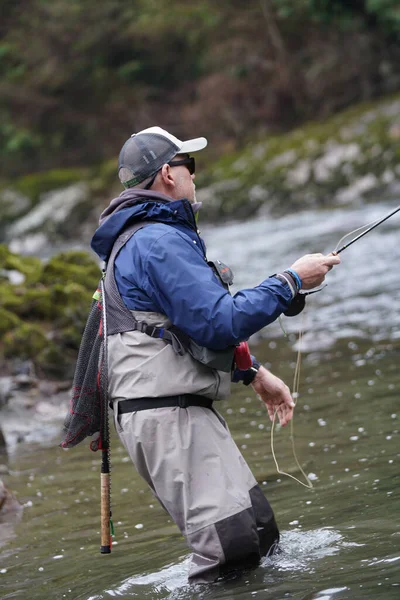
104 445
396 210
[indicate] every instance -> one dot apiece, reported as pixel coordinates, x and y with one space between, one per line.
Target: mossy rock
70 337
308 166
29 266
25 342
103 177
37 304
72 302
8 321
73 266
35 184
54 362
11 297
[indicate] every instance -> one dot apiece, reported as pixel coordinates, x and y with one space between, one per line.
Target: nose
193 176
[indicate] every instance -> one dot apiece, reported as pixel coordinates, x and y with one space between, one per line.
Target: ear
167 177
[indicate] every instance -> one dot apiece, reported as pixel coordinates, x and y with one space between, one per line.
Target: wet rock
6 387
54 208
3 446
8 502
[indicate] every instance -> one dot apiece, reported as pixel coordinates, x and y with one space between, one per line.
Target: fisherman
173 349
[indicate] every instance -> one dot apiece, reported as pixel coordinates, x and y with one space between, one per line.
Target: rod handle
105 547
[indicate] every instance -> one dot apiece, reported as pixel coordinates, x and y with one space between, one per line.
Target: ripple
300 549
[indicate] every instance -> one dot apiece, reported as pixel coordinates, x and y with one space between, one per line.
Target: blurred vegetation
43 316
78 76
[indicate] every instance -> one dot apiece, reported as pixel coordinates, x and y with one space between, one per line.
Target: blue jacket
163 268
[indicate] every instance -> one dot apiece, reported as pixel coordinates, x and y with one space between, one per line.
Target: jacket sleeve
175 275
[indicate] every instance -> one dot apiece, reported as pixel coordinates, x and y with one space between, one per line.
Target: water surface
341 539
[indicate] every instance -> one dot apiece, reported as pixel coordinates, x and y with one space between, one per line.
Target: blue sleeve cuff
296 277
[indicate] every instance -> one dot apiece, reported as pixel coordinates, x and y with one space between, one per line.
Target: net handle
105 480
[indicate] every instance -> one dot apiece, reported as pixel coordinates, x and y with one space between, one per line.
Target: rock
54 208
394 131
13 203
6 387
3 446
300 174
335 155
8 502
357 189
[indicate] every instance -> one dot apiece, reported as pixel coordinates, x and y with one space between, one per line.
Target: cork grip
105 514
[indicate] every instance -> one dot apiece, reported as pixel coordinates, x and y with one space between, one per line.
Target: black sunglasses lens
191 165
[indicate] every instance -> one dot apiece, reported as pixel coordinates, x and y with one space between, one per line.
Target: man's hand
312 268
275 394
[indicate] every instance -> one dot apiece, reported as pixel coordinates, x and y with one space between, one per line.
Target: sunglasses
187 162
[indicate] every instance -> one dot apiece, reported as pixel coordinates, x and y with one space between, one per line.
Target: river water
340 539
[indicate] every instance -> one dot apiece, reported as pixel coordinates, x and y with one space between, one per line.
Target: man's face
185 187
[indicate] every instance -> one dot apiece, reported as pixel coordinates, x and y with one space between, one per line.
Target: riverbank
343 160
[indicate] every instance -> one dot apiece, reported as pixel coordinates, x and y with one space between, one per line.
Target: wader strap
183 401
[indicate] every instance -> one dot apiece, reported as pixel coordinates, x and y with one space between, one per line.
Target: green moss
25 341
11 297
29 266
104 176
53 361
70 337
8 321
264 162
44 321
37 304
35 184
73 266
72 302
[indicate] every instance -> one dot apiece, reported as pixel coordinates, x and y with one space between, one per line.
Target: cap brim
193 145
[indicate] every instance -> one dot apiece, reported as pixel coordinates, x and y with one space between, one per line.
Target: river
340 539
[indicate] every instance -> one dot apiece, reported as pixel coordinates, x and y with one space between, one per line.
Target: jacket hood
137 205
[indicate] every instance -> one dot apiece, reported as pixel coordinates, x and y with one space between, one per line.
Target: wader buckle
182 401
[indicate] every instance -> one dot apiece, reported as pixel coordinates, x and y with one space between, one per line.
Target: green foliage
365 14
76 76
387 14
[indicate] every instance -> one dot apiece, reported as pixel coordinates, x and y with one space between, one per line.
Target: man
172 331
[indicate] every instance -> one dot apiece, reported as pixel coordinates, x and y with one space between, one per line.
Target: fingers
331 259
283 412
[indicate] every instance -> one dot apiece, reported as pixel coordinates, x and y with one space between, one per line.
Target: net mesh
87 403
143 155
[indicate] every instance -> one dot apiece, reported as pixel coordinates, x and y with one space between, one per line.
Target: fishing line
355 231
369 228
364 229
295 396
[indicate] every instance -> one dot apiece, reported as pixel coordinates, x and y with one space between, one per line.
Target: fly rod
396 210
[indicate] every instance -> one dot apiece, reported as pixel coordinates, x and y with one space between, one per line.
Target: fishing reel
299 302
